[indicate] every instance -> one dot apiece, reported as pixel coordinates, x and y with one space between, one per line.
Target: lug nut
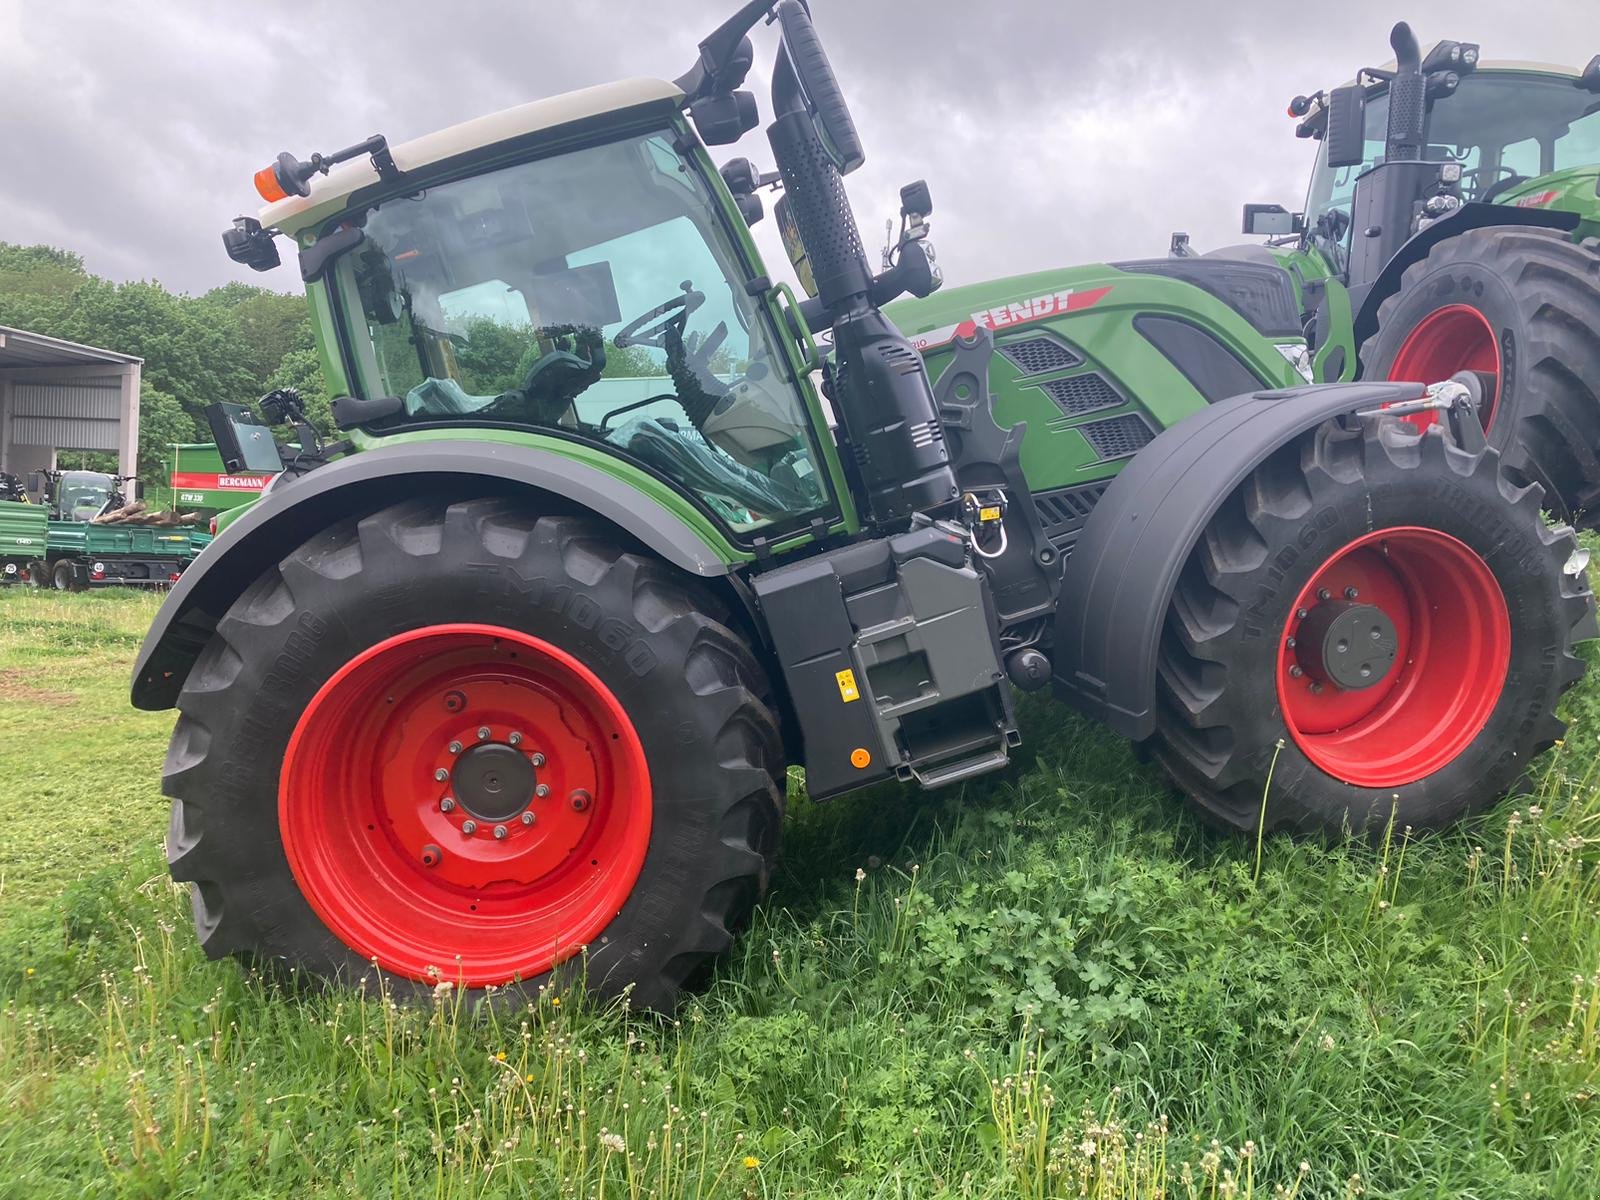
447 804
579 800
1324 594
441 774
483 733
469 827
515 739
1290 643
1295 672
431 855
1301 613
542 790
1350 593
527 818
455 747
538 759
1316 689
500 832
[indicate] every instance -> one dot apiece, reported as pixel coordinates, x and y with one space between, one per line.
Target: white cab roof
331 192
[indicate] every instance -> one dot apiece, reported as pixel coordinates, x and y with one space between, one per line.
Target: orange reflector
267 184
860 759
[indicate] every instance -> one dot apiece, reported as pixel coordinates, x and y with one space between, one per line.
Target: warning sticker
847 685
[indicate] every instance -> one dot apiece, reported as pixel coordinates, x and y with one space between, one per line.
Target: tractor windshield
1504 127
597 295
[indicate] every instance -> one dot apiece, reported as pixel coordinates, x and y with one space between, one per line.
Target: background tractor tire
1522 305
62 578
455 743
1392 612
38 574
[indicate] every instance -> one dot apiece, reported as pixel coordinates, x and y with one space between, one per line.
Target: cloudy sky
1050 131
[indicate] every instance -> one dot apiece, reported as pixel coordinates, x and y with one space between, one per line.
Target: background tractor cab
82 495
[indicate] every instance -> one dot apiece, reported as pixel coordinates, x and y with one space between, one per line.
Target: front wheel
1379 623
462 744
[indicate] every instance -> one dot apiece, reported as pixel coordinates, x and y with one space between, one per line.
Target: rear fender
1125 565
1468 216
297 508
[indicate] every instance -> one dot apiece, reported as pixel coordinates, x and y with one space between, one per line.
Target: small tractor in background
1452 230
500 689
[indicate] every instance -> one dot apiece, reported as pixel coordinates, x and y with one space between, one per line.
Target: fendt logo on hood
1019 312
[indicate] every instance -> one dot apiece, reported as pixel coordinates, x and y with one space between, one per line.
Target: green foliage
1055 984
225 345
162 421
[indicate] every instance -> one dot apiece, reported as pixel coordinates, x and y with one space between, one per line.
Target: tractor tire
38 573
61 577
1467 604
456 745
1521 306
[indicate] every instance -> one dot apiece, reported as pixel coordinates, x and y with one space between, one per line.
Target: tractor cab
82 495
1523 135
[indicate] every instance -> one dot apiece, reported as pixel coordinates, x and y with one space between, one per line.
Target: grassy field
1056 984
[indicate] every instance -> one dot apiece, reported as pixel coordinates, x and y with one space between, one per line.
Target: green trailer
78 553
23 530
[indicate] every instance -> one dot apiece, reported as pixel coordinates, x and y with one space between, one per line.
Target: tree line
232 343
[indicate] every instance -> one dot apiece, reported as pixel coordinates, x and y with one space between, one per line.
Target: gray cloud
1050 133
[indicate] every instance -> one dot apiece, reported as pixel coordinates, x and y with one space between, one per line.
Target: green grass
1055 984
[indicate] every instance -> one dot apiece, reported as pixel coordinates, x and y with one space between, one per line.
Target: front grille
1079 394
1117 437
1036 355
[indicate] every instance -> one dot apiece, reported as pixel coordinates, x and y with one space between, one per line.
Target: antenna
888 243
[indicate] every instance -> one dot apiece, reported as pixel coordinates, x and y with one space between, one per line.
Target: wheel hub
493 781
1347 644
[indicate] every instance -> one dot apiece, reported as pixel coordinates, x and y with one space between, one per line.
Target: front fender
1125 565
296 509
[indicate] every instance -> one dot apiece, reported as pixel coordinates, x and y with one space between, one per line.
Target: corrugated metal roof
19 348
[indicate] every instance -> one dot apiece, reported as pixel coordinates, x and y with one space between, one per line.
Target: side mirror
794 246
1345 140
1590 79
243 442
1272 220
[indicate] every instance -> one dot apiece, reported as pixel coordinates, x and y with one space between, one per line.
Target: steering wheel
1505 177
651 328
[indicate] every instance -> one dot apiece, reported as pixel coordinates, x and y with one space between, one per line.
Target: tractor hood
331 193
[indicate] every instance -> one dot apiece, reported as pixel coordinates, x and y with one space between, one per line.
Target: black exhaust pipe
1407 98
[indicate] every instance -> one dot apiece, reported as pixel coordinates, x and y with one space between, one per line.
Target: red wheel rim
1452 639
1455 338
436 885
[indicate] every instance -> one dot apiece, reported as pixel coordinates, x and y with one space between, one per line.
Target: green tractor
501 687
1450 228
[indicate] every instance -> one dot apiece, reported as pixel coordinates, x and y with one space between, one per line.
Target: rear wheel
1382 622
61 576
503 740
38 573
1519 307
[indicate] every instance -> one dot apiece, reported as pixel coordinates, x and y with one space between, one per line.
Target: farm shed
58 395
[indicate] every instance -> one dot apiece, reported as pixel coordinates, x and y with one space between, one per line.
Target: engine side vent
1117 437
1079 394
901 358
1062 513
1036 355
